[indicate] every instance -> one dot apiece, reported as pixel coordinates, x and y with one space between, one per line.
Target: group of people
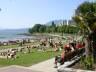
48 43
74 45
12 42
11 54
68 48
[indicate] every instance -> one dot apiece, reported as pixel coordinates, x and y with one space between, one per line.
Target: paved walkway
15 68
46 66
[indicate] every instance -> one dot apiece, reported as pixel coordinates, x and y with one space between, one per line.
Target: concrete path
15 68
46 66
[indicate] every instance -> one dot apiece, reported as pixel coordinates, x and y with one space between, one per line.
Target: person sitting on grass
13 54
8 54
28 47
55 47
67 48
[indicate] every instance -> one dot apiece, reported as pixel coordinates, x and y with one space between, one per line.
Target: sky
17 14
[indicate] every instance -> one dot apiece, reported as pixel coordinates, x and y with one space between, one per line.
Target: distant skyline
17 14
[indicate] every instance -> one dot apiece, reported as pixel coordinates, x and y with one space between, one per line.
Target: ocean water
6 35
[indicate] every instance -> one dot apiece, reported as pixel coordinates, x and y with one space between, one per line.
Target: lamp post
0 9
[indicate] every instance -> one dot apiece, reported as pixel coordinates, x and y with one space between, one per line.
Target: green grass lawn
9 46
27 59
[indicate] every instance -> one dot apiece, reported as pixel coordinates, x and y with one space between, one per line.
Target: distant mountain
57 22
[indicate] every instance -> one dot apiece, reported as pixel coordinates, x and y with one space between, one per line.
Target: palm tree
85 17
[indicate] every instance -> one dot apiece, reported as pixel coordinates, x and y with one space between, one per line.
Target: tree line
53 28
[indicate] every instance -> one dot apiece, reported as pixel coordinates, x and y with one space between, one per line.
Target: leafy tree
42 29
35 28
39 28
30 31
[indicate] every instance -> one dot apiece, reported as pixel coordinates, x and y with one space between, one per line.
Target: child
56 60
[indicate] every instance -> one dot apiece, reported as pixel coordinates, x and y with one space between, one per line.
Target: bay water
12 34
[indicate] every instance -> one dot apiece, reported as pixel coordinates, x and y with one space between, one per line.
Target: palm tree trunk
87 45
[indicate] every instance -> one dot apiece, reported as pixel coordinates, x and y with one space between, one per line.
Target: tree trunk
87 45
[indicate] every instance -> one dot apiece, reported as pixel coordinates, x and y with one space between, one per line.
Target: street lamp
0 9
